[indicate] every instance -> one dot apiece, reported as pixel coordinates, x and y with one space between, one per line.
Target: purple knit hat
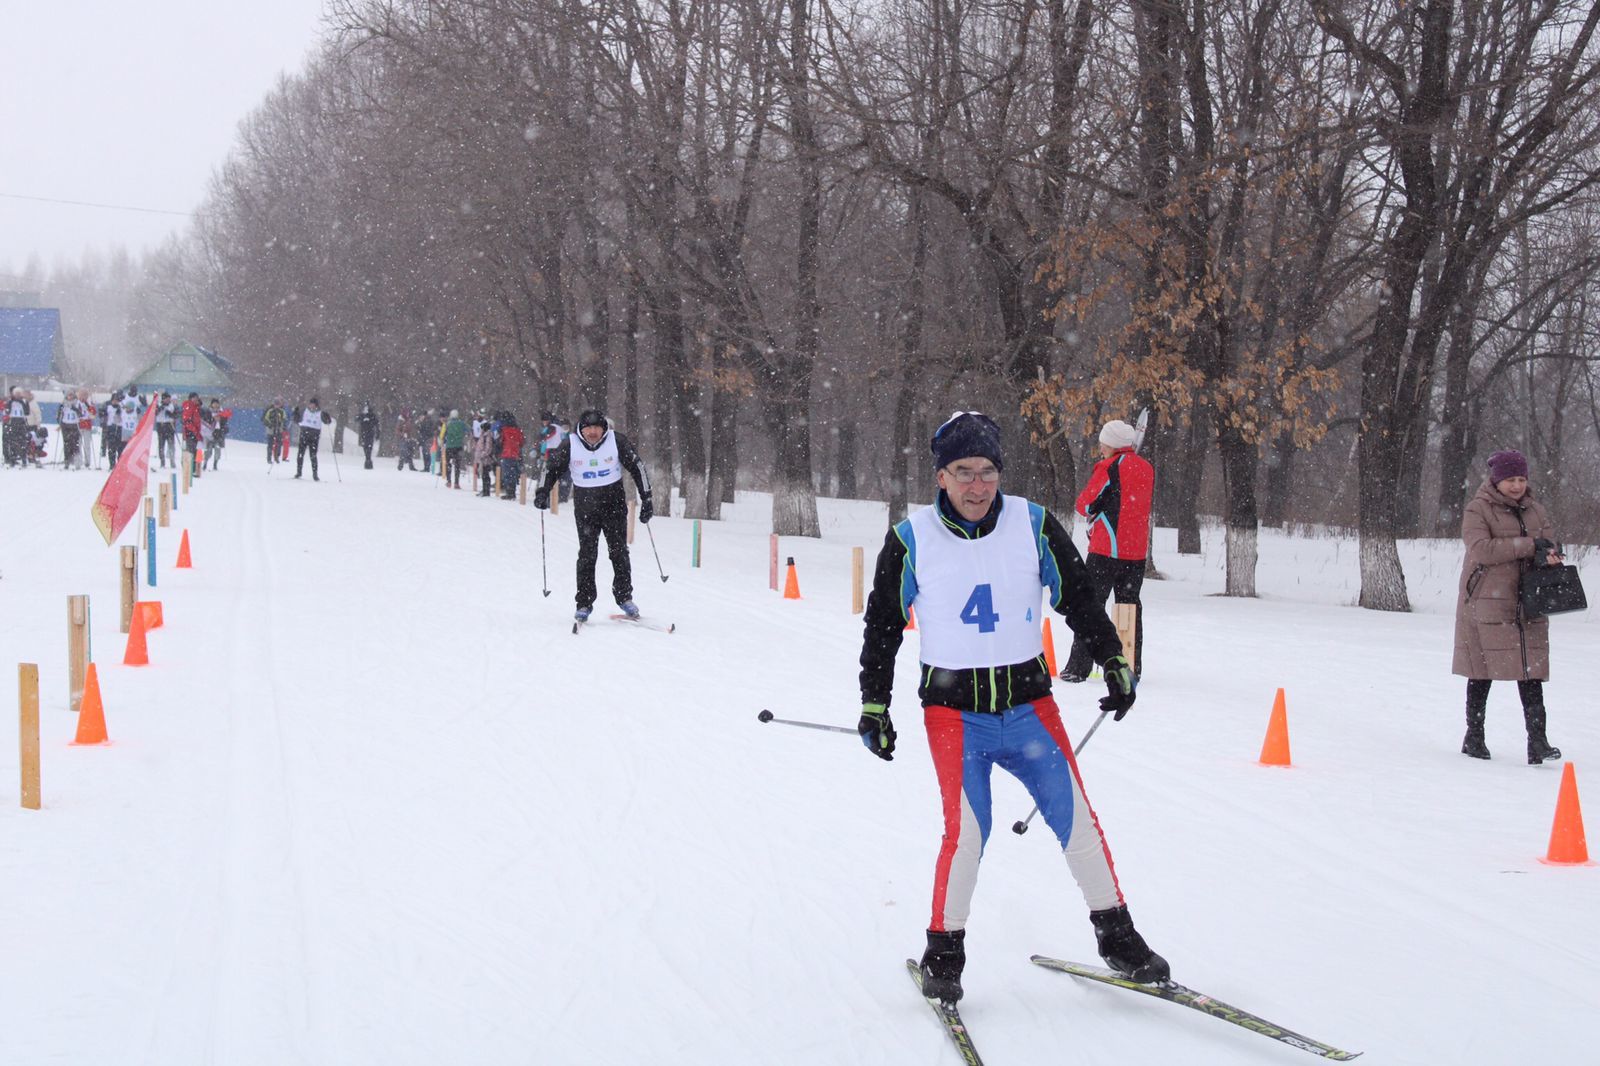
1508 463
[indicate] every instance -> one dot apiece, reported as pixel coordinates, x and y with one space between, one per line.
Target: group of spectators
26 439
446 441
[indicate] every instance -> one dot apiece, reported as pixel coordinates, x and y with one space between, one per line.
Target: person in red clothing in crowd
511 442
190 417
1116 501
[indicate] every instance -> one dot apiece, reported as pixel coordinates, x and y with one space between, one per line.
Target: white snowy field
373 803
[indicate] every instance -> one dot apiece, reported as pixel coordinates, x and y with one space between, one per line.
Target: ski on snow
659 627
951 1018
1173 992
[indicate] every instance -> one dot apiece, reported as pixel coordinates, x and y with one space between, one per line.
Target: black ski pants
166 447
309 439
613 522
1125 579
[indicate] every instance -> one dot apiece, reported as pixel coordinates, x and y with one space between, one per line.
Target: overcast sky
128 103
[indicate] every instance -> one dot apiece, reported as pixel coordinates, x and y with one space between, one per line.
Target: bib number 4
979 610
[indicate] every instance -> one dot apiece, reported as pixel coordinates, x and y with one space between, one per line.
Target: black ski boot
1124 950
1539 749
942 964
1473 744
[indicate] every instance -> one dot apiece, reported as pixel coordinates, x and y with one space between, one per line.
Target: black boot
1539 749
1474 744
942 964
1124 949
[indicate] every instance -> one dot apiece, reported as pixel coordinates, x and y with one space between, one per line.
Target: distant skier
67 416
974 564
193 422
220 417
16 429
310 418
166 430
111 427
1116 501
367 431
596 456
275 421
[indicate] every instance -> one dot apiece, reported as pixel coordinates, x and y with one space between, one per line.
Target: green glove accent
877 730
1120 685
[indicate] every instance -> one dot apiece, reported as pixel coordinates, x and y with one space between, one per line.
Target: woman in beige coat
1506 531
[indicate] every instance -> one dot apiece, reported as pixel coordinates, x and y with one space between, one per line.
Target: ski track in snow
373 803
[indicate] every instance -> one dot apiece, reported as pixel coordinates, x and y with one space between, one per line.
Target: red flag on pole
119 499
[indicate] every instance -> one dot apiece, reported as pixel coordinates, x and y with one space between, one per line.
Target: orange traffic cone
183 553
151 609
1049 648
1567 846
136 654
1275 751
91 713
791 584
911 619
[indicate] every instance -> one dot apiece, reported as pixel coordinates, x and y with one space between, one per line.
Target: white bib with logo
311 419
978 601
591 469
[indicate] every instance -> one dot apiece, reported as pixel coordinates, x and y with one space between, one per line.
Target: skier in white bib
310 418
974 564
596 457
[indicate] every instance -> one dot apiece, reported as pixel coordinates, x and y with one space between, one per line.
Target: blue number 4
979 610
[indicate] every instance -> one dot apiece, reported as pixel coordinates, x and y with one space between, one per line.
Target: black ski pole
1022 827
766 716
662 572
543 565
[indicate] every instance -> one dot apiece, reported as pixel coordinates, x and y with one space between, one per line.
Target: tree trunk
1280 479
667 325
847 457
630 360
1383 582
1239 460
724 430
1186 492
794 500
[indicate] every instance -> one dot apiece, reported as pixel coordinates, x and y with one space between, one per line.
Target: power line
86 203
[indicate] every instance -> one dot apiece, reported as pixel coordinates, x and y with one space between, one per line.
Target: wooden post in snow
28 732
77 649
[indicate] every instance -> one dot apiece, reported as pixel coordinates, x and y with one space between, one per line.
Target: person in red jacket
1116 501
189 416
511 442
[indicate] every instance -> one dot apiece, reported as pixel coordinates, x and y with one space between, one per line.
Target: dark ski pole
1022 827
335 454
544 566
662 572
767 716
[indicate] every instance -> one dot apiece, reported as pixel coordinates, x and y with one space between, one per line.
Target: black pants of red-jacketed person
1124 578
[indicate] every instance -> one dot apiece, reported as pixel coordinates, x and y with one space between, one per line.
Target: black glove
877 730
647 509
1120 684
1541 551
541 498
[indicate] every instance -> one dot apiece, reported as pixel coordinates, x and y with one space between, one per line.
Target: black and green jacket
1063 576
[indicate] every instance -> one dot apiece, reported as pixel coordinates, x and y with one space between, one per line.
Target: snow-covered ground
373 802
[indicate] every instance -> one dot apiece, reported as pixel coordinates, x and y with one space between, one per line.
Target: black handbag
1547 590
